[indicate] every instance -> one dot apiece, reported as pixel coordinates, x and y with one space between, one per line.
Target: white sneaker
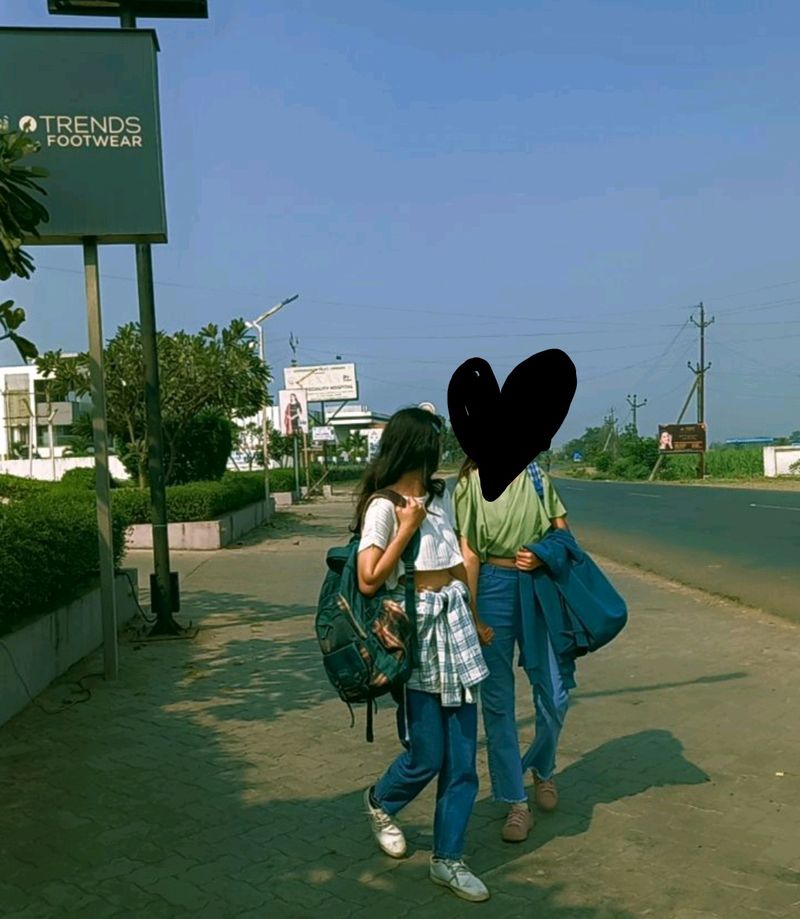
456 876
388 834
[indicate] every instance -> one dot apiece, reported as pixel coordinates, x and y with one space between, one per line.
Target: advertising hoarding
681 438
323 434
293 406
325 382
89 98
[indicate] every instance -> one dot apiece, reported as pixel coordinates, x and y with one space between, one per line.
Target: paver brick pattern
219 777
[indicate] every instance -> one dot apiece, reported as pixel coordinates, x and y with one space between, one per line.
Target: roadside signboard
577 457
323 434
293 411
373 436
681 438
89 98
324 383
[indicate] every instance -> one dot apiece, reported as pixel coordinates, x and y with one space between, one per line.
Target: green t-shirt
517 518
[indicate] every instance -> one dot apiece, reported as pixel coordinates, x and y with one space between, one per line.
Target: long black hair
411 442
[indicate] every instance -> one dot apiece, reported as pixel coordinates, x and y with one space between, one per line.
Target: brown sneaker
519 823
545 793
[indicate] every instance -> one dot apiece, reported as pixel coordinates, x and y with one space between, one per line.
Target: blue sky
439 180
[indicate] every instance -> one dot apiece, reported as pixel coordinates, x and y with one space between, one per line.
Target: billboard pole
103 485
163 599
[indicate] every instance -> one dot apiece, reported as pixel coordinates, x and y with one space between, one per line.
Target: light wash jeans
499 606
443 742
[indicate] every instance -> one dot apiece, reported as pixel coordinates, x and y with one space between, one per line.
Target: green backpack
368 644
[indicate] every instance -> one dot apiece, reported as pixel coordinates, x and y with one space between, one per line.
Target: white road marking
642 494
776 507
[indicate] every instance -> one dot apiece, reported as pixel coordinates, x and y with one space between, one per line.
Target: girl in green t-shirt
493 535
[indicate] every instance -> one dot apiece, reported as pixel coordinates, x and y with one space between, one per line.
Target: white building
27 419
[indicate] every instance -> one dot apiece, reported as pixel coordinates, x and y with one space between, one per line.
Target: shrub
49 552
83 478
202 451
194 501
280 479
15 487
727 463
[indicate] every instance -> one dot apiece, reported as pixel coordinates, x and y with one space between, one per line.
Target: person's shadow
618 769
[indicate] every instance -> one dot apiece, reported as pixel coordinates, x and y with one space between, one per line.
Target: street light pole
262 353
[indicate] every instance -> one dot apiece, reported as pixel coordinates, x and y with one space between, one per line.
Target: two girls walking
456 577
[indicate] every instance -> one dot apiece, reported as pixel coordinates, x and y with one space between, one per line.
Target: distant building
26 417
352 419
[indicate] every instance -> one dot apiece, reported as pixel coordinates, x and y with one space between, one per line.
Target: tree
452 452
20 216
207 380
355 446
637 455
589 445
80 440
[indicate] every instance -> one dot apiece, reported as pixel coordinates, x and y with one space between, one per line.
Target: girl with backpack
439 706
493 535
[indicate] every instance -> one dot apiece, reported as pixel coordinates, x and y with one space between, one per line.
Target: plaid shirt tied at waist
451 661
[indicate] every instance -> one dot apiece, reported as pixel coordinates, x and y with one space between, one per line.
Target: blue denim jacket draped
571 601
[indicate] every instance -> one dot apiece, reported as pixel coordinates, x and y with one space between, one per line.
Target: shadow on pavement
653 687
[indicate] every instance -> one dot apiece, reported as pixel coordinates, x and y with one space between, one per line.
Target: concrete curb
41 651
205 535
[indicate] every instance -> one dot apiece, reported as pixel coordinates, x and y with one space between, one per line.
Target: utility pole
293 343
611 422
699 370
634 406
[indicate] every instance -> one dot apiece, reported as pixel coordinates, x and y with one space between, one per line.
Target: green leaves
214 371
20 216
20 212
11 318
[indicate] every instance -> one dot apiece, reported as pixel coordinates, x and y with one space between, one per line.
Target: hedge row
196 501
49 552
283 479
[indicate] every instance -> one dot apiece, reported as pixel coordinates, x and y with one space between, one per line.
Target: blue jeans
499 606
443 742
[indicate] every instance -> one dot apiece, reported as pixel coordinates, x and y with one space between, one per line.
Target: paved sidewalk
219 777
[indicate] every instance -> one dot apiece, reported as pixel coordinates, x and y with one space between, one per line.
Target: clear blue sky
446 179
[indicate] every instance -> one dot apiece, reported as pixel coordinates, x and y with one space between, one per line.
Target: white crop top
438 547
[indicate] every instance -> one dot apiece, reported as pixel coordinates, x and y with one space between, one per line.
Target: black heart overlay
503 430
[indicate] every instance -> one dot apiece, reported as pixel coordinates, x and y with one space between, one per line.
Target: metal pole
296 466
264 424
160 584
161 581
100 433
305 460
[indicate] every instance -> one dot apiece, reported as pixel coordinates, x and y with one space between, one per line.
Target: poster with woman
293 406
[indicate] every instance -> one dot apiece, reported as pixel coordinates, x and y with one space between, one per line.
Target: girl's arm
468 572
560 523
376 564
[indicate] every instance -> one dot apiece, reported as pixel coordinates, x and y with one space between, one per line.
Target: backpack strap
409 556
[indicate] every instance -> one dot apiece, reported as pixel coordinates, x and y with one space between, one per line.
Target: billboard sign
323 434
324 383
373 436
293 405
89 98
681 438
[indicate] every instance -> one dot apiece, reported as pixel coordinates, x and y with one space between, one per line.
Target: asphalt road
738 543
